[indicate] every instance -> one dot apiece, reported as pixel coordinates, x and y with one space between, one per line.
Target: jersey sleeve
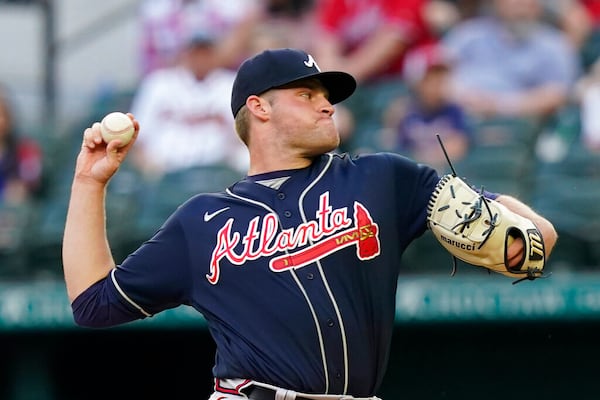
154 278
157 275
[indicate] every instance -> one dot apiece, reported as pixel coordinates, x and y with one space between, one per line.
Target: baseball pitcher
295 266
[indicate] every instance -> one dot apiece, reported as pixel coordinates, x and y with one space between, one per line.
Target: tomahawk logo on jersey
332 230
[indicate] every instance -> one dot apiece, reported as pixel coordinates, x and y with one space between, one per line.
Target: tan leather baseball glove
478 230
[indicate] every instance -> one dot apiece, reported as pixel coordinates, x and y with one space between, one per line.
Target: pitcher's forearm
86 253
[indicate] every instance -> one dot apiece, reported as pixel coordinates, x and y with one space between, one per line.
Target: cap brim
340 85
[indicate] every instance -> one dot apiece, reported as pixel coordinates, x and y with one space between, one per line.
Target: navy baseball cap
278 67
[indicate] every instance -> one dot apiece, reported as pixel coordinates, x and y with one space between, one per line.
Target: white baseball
117 125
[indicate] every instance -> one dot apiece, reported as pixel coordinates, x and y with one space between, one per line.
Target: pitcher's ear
258 106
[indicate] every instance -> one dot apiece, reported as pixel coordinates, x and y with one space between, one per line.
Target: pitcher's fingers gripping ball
117 125
479 231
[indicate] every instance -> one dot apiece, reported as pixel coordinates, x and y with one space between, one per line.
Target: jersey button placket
282 196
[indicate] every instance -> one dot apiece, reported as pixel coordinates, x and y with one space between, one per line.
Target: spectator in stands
572 17
587 95
511 63
20 158
590 47
469 8
413 121
272 24
369 39
187 121
166 24
235 23
441 15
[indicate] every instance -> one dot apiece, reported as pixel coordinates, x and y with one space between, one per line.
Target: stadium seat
45 248
567 192
157 200
367 105
498 169
506 132
14 222
501 156
426 255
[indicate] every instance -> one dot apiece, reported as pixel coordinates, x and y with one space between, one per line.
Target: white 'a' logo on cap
311 63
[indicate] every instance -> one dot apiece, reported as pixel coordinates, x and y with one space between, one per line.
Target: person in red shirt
20 159
369 39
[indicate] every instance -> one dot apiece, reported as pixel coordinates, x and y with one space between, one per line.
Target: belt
263 393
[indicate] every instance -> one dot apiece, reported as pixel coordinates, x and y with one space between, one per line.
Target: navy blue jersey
294 271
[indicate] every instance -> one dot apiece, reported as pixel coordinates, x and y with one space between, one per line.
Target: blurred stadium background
465 337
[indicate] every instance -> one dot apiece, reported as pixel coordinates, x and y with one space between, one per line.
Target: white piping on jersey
320 267
133 303
318 327
321 272
310 305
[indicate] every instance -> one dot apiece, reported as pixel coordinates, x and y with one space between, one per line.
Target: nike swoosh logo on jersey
208 216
